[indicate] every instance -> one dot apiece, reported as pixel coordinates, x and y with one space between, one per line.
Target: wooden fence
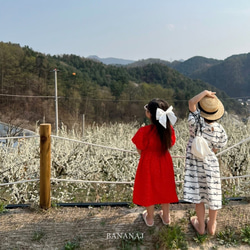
45 165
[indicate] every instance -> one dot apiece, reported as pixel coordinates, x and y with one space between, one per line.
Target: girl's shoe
161 215
144 216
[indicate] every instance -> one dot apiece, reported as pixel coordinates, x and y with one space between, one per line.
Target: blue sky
131 29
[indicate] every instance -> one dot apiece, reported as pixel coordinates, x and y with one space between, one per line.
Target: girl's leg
166 212
199 221
211 224
150 214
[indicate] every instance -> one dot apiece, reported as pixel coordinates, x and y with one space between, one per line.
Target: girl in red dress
154 180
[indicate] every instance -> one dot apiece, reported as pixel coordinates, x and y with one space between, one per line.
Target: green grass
200 239
228 237
72 245
38 235
172 237
245 234
2 208
129 243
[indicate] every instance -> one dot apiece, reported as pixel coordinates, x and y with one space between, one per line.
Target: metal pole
56 101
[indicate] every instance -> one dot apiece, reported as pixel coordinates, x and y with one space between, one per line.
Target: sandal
161 215
144 216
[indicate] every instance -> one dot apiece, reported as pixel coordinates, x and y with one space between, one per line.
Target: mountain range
231 75
106 93
111 60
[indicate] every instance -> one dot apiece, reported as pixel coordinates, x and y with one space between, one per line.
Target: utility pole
56 102
83 125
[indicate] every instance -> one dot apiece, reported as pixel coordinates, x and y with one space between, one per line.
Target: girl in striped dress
202 183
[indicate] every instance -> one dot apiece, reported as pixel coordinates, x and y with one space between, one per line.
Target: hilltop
104 93
230 75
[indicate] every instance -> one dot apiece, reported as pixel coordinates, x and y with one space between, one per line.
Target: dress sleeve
173 138
194 117
222 138
140 139
195 122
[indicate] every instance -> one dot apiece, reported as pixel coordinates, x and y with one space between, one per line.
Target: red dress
154 179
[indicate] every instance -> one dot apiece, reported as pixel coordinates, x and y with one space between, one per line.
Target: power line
108 100
27 96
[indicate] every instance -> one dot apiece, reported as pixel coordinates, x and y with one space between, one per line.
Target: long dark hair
164 133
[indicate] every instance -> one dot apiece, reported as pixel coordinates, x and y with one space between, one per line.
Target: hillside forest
103 93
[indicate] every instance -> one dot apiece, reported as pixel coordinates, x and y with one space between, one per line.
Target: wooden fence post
45 161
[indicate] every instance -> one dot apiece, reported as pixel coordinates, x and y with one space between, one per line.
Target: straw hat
211 108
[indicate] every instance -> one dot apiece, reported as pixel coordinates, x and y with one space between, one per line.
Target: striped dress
202 177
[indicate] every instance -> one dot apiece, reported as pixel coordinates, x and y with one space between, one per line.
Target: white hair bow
161 115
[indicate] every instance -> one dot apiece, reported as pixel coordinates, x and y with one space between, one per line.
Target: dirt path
100 228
